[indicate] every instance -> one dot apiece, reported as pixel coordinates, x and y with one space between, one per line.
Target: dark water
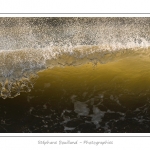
74 75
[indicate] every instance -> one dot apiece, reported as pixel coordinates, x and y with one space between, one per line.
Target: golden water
127 79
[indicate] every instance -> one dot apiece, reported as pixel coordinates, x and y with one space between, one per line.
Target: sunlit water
74 75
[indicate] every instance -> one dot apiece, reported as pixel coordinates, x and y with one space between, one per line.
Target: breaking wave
30 45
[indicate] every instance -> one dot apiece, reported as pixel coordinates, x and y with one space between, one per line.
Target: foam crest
12 88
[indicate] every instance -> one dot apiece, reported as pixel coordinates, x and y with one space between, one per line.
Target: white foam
81 108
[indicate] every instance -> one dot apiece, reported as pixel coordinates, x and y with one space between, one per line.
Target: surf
31 45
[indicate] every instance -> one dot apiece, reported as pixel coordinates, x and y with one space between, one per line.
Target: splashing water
30 45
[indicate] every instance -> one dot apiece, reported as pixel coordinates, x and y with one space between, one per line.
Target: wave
16 63
18 70
29 45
